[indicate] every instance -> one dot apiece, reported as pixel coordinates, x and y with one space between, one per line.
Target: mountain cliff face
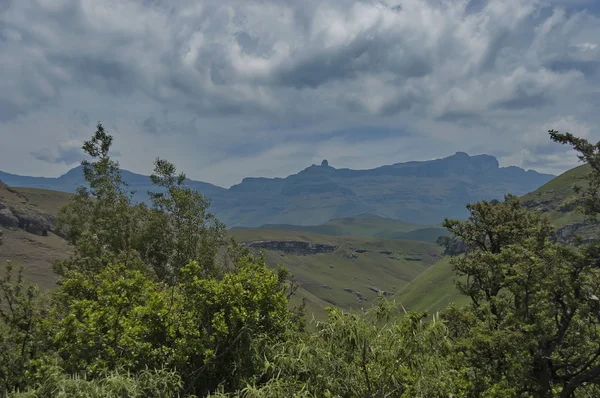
419 192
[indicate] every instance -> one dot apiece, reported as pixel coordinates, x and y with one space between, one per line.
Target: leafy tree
590 154
532 328
153 293
209 330
106 227
100 221
179 227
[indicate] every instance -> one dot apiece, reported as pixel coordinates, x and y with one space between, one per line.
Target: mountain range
420 192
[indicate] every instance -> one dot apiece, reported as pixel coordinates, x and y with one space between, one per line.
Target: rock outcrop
7 218
567 234
17 212
292 246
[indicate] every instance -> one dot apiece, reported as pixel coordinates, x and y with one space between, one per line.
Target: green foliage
104 226
532 327
207 329
352 355
590 154
179 227
55 383
20 312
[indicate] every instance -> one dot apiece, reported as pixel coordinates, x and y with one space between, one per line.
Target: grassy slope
389 272
45 200
554 193
36 252
434 289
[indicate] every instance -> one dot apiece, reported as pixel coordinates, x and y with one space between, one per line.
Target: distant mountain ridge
420 192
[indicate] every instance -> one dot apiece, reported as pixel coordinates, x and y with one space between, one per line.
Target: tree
590 154
100 221
179 227
532 328
105 226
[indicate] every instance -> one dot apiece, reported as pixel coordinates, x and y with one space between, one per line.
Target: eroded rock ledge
292 246
23 215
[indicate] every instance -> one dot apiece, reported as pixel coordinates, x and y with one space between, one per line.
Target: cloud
68 153
247 87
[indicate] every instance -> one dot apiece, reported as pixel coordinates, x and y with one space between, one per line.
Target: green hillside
46 201
433 290
356 263
551 197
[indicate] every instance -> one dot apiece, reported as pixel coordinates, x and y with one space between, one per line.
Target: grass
385 264
557 191
37 253
45 200
431 291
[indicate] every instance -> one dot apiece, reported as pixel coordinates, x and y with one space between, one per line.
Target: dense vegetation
149 306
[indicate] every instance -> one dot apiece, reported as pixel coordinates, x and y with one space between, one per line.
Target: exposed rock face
35 223
568 233
7 218
292 246
17 212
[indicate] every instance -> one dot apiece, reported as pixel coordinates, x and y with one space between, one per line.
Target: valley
344 262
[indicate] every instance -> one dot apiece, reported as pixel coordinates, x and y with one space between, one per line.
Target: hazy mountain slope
369 226
417 192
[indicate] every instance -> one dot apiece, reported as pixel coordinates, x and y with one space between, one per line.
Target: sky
227 89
